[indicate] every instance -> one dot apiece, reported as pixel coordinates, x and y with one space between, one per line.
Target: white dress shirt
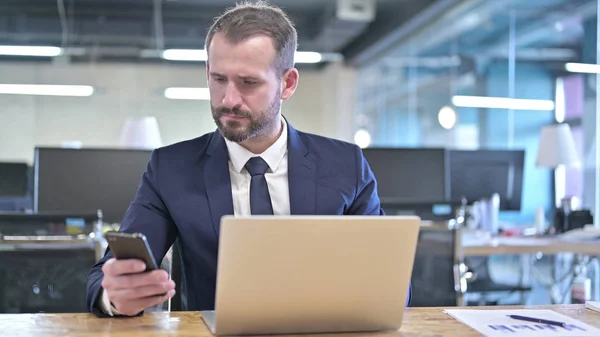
276 176
276 156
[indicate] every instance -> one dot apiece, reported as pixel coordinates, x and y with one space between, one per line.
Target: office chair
438 272
483 283
41 280
179 301
42 267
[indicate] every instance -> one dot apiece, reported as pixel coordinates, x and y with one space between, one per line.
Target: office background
393 87
413 77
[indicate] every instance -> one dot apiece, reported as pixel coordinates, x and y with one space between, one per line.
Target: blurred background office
480 116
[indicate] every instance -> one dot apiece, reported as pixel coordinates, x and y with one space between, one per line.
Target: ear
207 71
289 83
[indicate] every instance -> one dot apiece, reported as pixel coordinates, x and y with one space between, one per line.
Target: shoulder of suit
335 157
313 141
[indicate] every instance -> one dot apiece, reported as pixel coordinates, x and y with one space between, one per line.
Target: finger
129 281
156 300
119 295
133 307
122 267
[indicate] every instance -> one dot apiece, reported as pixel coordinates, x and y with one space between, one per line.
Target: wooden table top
418 322
528 245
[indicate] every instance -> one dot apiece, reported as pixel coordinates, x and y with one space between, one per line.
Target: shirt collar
239 156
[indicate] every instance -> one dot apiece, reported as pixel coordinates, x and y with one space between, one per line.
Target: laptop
312 274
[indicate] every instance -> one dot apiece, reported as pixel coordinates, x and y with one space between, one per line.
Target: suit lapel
217 180
302 171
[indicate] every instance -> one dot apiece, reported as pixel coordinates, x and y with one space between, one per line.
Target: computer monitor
13 179
478 174
84 180
410 176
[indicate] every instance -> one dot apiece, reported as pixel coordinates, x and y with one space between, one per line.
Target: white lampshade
141 133
557 147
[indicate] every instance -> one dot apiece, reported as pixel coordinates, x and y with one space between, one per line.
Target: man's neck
261 144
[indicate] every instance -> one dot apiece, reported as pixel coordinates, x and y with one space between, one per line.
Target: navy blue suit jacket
186 190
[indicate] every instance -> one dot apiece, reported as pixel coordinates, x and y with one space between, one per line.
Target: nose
232 96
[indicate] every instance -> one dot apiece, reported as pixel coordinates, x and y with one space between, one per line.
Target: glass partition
492 75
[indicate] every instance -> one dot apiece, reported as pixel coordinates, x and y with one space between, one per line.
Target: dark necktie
260 199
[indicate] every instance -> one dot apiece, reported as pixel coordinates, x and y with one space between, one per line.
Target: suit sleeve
367 200
147 214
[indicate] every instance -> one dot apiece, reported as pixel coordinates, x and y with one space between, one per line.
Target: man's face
245 91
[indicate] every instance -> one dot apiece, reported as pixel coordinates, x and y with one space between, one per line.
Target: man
256 163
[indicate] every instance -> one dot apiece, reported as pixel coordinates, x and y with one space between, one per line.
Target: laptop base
208 316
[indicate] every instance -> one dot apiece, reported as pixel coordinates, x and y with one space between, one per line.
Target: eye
219 79
248 82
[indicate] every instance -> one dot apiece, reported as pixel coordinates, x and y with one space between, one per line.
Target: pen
537 320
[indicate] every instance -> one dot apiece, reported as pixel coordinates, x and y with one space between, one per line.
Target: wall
320 105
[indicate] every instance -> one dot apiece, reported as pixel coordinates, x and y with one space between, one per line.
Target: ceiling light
43 51
200 94
447 117
184 55
46 90
200 55
502 103
558 26
307 57
362 138
560 106
586 68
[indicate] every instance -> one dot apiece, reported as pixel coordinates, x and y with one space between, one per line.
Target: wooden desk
528 245
418 322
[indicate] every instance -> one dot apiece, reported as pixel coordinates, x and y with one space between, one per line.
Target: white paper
593 305
493 323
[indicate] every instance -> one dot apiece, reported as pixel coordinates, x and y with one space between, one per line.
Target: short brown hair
251 18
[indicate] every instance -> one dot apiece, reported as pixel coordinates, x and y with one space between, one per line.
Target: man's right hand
131 290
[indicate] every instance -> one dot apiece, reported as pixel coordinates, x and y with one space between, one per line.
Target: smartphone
131 246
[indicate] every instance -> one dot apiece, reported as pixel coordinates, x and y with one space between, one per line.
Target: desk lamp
557 149
141 133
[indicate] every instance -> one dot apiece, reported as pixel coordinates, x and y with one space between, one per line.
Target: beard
258 123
